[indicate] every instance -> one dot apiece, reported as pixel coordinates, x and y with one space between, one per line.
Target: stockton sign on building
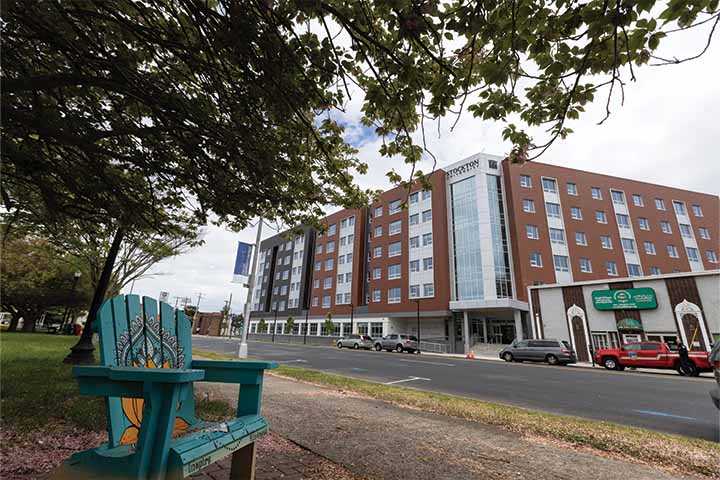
464 168
627 299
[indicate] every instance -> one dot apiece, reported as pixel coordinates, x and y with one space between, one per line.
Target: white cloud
665 133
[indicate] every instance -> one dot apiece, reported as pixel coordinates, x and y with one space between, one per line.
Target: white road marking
409 379
429 363
292 361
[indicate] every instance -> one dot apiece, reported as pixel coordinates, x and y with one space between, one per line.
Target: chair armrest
128 381
233 371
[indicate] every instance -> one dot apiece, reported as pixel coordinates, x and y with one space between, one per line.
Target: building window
349 257
572 189
549 185
414 198
628 245
351 221
340 279
557 235
330 247
395 227
377 252
665 226
378 211
426 194
414 291
332 229
561 263
611 267
338 299
466 252
427 239
319 249
326 301
329 264
596 193
377 273
649 248
378 231
617 197
672 251
685 230
394 272
585 265
655 271
283 290
660 204
638 200
622 220
535 259
643 223
394 207
394 249
414 242
634 270
414 219
327 283
377 294
704 233
600 217
606 242
581 239
528 206
711 257
394 295
428 263
553 209
692 254
427 216
697 210
679 207
414 265
575 213
525 181
376 329
428 290
313 329
343 224
316 283
532 232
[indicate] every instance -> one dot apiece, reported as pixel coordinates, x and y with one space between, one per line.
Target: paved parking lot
665 403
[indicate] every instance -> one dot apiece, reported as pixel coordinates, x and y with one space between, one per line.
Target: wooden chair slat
130 355
106 331
168 334
120 326
151 332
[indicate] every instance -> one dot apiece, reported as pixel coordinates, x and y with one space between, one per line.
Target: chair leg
242 466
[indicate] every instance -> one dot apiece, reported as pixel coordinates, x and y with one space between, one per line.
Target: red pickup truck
650 355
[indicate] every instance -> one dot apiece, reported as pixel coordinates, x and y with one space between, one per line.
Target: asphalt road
665 403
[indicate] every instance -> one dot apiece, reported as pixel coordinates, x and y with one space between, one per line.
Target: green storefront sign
628 299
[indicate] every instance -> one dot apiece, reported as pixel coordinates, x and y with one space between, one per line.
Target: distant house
209 323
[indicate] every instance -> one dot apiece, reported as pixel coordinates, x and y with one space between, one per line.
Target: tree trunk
29 322
82 352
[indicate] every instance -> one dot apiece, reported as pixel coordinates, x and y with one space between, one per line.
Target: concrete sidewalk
378 440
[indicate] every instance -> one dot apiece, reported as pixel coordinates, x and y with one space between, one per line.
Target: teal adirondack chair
146 376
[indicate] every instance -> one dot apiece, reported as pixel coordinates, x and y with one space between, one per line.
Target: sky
666 132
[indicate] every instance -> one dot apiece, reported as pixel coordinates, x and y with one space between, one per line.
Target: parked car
398 342
5 320
554 352
714 359
650 355
356 341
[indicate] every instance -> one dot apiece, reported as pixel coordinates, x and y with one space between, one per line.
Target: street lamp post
76 277
243 348
352 318
307 327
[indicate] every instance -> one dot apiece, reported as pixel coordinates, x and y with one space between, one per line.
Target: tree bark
82 352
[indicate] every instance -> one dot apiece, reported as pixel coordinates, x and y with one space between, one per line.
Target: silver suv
355 341
398 342
554 352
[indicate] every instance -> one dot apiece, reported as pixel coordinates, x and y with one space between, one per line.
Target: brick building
456 260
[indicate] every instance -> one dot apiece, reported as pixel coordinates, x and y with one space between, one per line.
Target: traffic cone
470 355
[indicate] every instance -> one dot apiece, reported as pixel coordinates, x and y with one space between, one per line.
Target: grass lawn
673 452
38 391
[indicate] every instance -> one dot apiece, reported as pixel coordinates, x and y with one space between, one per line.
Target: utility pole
229 316
197 307
274 324
243 348
418 322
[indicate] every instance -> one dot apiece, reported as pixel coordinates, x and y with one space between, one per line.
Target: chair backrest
135 332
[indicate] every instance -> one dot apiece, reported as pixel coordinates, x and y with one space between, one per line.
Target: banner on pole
242 262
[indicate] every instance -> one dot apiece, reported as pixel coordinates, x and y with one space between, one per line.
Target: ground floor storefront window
376 329
670 338
605 340
362 328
